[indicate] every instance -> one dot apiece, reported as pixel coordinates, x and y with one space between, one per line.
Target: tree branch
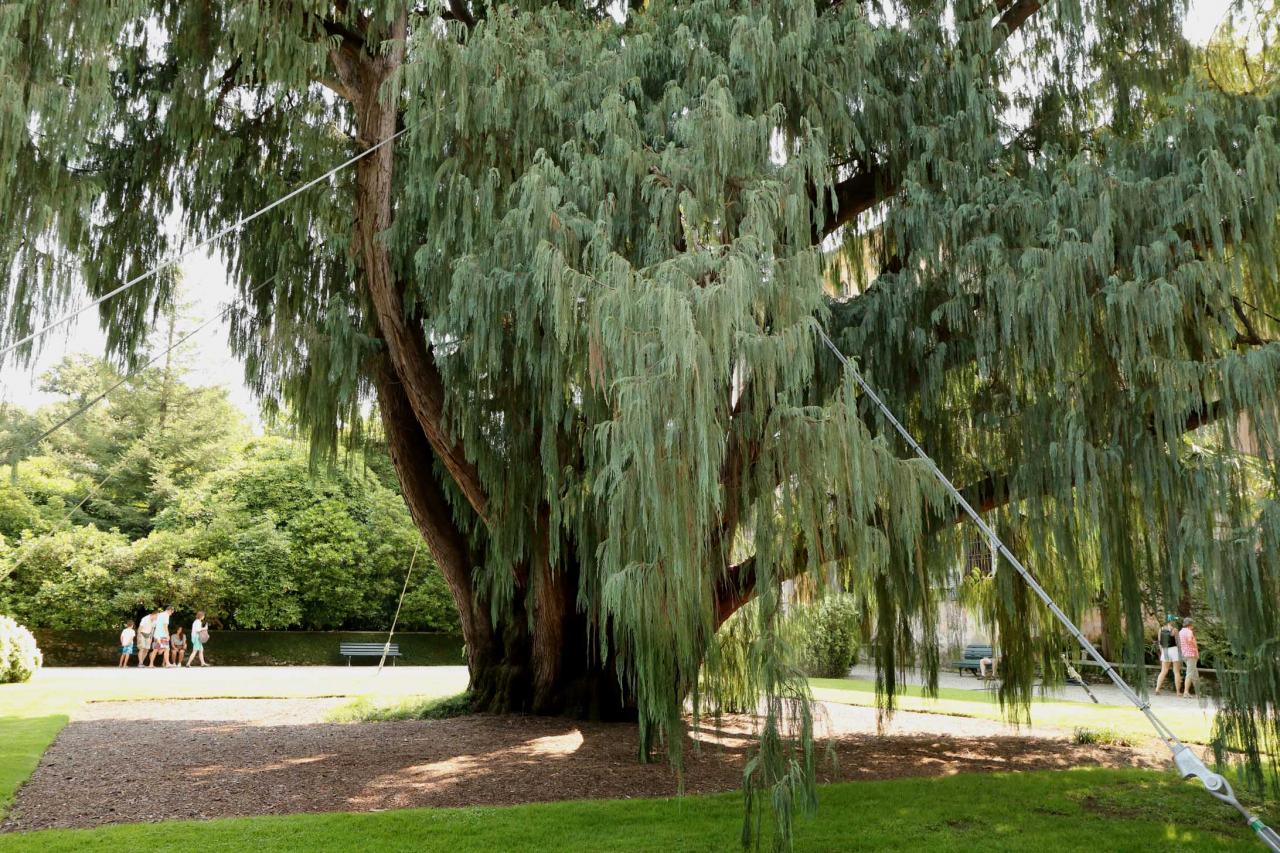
411 456
409 354
873 184
856 195
458 11
228 81
1013 15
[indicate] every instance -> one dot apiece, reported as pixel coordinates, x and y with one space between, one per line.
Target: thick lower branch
1014 16
856 195
874 184
413 460
406 344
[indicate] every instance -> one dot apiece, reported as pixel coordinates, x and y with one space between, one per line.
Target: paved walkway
109 683
1107 694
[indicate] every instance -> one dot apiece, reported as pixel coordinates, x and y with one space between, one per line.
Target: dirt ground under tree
122 762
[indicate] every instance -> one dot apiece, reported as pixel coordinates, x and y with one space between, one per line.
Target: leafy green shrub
19 654
825 636
1102 737
68 579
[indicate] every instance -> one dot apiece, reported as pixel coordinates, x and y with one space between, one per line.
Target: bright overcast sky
205 290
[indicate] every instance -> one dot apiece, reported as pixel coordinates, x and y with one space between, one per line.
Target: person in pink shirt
1190 655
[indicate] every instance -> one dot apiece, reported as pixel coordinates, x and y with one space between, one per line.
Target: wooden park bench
969 660
368 650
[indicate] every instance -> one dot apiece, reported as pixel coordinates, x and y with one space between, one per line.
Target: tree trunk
540 662
537 657
508 675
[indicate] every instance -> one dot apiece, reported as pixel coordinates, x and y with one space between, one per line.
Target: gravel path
144 761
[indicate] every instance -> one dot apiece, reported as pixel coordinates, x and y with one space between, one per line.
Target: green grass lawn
1192 723
22 741
1055 810
371 710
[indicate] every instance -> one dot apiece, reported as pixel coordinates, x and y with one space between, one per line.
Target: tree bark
413 459
536 656
363 76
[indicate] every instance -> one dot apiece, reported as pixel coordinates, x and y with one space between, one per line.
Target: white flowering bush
19 655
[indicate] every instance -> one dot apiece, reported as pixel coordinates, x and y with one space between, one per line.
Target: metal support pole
1187 762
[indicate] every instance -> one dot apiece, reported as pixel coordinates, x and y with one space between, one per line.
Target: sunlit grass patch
365 710
1086 736
1085 809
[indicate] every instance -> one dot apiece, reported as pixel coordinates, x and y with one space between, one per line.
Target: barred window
977 555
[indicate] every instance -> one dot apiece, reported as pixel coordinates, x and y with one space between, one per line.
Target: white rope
222 232
1187 762
115 469
1079 679
386 648
123 379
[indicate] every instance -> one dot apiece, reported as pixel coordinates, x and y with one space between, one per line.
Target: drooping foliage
586 283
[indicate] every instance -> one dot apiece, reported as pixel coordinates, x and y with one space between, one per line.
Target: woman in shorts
178 646
1169 656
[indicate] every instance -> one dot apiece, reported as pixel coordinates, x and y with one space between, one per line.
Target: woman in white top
160 637
199 633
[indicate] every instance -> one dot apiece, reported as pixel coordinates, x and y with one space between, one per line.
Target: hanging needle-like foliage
583 289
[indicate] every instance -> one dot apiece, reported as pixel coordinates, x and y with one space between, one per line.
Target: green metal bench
368 650
969 660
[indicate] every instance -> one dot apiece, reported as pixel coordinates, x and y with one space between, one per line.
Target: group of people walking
152 639
1178 648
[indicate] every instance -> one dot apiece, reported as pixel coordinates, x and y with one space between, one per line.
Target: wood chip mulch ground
127 762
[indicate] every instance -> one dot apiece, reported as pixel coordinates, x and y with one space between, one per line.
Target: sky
206 290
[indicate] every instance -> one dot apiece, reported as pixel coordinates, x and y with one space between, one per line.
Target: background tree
584 289
67 579
129 456
314 548
263 538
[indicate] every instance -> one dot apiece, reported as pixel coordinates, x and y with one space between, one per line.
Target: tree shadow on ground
126 770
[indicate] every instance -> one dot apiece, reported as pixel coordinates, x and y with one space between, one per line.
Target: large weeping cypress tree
584 287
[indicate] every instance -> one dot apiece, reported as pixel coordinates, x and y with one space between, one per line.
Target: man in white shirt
145 629
160 636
